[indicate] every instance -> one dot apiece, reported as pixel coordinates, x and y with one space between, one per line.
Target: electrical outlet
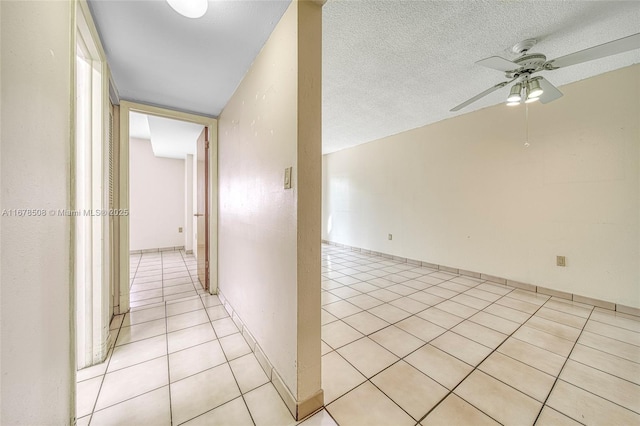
180 229
561 261
390 236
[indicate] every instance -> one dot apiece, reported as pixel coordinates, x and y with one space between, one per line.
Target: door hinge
206 264
206 144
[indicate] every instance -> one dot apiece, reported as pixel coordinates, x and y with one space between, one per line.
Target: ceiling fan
530 88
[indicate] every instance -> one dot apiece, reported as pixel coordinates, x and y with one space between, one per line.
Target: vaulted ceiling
388 66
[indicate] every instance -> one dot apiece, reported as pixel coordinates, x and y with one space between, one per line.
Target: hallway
402 344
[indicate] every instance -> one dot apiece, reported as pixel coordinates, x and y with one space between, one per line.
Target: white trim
91 254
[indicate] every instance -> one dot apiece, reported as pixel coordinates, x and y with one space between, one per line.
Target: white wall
156 197
269 237
188 203
36 312
466 193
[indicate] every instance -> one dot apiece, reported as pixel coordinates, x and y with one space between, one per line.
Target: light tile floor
401 345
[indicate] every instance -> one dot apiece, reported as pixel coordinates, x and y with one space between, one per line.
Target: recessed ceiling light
189 8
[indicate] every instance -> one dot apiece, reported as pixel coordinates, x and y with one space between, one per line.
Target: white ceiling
169 138
388 66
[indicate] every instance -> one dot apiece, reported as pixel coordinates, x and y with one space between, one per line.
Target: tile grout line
555 381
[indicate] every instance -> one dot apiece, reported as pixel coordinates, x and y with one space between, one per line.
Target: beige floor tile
618 319
378 410
439 291
384 295
569 307
518 304
430 280
364 301
612 346
143 315
480 334
550 417
364 288
137 352
328 297
324 348
613 332
140 296
472 302
416 393
202 392
342 309
186 320
345 292
494 288
147 303
608 363
454 411
217 312
494 322
552 327
209 300
544 340
338 333
326 317
426 298
389 313
93 371
440 366
614 389
188 337
267 408
234 346
86 395
422 329
83 421
321 418
401 289
151 408
248 372
440 317
397 341
483 294
183 307
367 356
534 356
417 285
232 413
529 296
338 377
453 286
458 309
133 381
462 348
138 332
365 322
489 395
507 313
588 408
516 374
561 317
224 327
194 360
409 305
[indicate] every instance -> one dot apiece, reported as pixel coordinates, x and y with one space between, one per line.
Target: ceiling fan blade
607 49
498 63
551 92
481 95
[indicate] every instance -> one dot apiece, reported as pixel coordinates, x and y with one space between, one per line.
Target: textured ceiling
388 66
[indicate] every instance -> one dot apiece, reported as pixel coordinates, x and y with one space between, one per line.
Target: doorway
185 239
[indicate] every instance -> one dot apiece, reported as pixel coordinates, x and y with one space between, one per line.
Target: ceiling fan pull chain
526 120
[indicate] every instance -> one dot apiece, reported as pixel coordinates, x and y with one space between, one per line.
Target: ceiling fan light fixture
513 103
514 95
531 99
189 8
533 89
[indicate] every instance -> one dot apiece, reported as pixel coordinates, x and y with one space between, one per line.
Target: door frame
123 197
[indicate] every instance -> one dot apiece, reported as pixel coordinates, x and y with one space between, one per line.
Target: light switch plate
287 177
